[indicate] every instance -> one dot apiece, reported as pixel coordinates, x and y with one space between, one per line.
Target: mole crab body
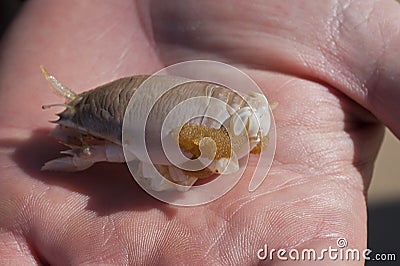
92 127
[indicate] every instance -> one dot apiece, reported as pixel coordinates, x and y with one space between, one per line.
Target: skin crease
332 66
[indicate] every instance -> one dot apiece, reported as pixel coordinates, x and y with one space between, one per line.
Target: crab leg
84 157
166 177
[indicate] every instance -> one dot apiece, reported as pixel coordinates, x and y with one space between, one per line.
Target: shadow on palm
110 187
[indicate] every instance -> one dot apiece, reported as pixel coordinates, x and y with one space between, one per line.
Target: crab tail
58 87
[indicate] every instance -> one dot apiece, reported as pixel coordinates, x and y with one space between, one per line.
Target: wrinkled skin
332 66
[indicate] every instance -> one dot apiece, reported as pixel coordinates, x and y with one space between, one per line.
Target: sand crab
91 126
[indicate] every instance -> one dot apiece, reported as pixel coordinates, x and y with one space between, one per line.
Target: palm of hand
313 194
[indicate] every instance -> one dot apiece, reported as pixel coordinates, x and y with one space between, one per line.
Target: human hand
321 61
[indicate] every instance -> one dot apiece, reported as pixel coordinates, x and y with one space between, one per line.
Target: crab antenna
47 106
58 87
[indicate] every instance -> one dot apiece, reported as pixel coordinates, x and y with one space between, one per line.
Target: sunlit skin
333 67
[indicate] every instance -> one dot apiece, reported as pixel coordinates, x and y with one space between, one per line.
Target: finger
14 250
83 44
351 45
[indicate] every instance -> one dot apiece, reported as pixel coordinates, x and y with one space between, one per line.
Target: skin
332 66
